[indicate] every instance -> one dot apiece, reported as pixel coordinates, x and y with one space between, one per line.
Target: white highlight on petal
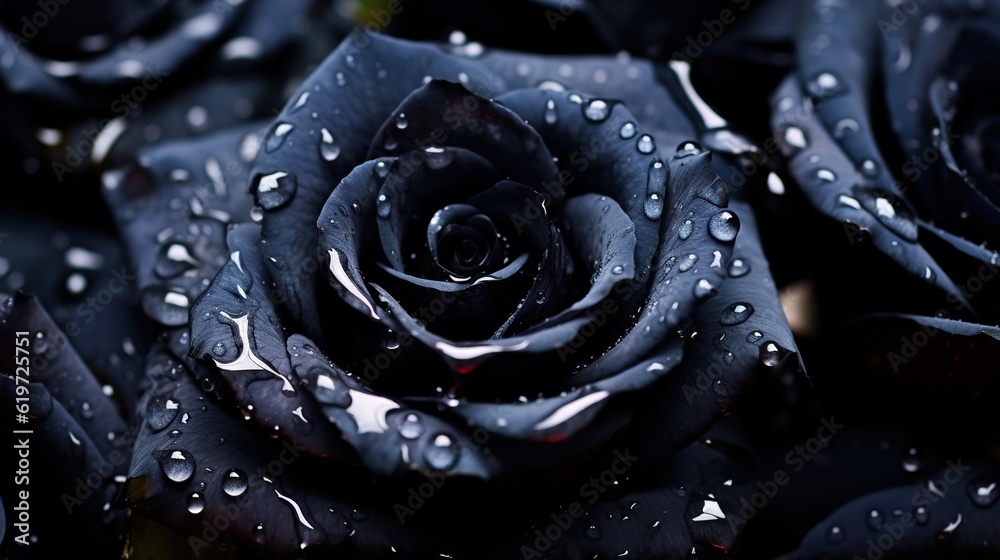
295 506
711 118
235 257
953 525
775 184
571 409
174 298
247 361
201 26
710 511
369 411
106 139
473 352
242 47
337 268
79 257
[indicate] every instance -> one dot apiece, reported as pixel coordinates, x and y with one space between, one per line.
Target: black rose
470 266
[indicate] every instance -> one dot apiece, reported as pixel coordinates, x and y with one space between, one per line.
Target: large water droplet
771 354
219 349
196 503
329 149
687 149
177 464
795 137
704 288
235 482
688 262
161 411
984 490
442 454
276 189
627 130
276 136
736 313
656 188
596 110
724 226
738 267
411 427
402 122
645 144
685 229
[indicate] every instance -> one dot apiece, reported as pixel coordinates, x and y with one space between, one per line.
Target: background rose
390 424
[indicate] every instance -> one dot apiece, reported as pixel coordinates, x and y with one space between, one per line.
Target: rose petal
235 325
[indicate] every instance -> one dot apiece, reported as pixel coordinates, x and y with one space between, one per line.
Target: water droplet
196 503
724 226
442 454
86 412
687 262
843 126
627 130
911 460
754 336
874 520
771 354
177 464
411 427
825 85
235 482
736 313
276 189
891 210
869 168
984 490
795 137
738 267
383 207
703 289
719 387
596 110
358 515
259 535
219 349
276 136
645 144
687 149
922 515
685 229
836 534
592 533
161 411
618 269
656 188
825 176
329 149
402 122
551 85
550 112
